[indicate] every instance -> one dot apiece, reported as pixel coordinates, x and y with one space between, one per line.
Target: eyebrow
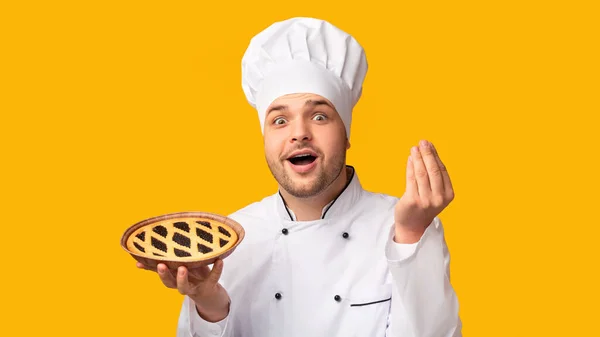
309 103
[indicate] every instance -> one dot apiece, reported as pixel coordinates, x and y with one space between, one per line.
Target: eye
279 121
320 117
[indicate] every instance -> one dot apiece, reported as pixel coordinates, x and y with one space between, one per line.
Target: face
305 143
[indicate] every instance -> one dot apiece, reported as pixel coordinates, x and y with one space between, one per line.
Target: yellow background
115 111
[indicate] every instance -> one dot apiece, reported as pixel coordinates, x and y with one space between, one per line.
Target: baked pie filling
182 239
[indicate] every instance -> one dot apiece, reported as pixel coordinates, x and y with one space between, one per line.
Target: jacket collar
341 205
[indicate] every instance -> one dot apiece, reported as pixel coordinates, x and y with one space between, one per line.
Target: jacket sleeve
190 324
424 303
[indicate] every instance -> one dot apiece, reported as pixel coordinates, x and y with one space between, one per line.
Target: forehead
299 100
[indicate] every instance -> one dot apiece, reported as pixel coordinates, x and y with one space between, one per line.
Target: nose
300 131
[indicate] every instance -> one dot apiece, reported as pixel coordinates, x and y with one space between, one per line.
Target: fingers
411 182
166 276
184 280
421 175
448 190
200 273
433 170
183 284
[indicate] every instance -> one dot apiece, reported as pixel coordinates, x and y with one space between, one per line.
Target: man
324 257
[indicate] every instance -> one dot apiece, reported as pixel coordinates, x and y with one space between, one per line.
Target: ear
347 144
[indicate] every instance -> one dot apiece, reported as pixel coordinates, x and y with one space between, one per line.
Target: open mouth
302 159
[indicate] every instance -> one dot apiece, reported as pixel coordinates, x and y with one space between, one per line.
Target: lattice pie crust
182 239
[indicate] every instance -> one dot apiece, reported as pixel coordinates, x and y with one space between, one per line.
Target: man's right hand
201 285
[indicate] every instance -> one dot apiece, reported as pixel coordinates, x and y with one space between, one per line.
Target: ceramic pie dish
190 239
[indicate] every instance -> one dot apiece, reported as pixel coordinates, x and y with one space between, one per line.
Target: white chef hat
304 55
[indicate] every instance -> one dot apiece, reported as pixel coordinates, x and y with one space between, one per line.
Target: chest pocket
367 311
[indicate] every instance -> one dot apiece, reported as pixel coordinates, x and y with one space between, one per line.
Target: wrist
407 234
212 316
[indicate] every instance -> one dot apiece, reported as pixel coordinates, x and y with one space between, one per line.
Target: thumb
217 270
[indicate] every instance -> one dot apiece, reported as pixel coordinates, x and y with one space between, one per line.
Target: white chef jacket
339 276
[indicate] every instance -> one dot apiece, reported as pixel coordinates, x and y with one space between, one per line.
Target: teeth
302 155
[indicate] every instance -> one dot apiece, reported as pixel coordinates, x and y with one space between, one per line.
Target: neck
311 208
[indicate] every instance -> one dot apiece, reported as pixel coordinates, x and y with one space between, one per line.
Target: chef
322 256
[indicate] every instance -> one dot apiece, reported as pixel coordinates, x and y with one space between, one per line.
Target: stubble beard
326 175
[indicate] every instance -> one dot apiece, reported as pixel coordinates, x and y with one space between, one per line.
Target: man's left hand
428 192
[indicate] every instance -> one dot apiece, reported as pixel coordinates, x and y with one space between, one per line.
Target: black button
345 235
278 296
337 298
284 231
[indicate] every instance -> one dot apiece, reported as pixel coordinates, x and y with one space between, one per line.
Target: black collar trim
330 204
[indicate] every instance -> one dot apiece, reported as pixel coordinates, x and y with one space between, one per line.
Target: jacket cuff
403 252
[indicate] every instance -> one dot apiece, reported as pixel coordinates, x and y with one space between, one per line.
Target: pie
183 237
